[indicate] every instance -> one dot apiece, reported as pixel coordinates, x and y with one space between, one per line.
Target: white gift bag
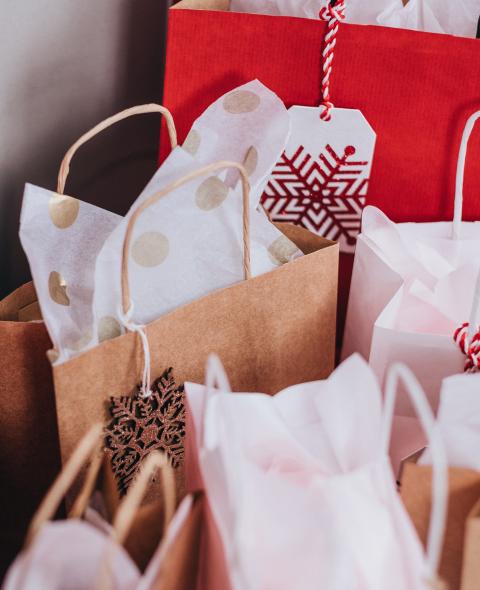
412 287
299 487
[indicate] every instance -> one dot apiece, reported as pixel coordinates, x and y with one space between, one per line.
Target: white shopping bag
412 287
300 493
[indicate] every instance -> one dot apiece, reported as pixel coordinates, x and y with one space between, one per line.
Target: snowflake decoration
139 425
325 195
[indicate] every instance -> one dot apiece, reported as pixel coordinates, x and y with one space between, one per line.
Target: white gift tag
321 179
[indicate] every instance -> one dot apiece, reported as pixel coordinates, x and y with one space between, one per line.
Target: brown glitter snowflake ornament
142 424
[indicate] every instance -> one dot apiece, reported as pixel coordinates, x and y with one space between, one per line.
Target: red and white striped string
334 16
469 347
467 337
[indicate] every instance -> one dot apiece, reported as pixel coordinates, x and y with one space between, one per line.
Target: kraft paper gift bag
299 488
459 427
166 555
30 455
173 563
67 553
412 288
84 551
188 286
270 329
471 548
29 450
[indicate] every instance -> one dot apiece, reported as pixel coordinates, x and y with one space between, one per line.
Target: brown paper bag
471 551
29 448
270 331
171 551
29 451
463 494
174 564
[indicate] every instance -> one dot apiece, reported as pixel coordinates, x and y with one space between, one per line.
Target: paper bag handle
125 286
438 513
126 512
462 154
89 447
138 110
215 376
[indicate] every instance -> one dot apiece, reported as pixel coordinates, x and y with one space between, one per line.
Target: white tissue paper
62 237
356 11
190 242
459 421
434 16
292 478
187 245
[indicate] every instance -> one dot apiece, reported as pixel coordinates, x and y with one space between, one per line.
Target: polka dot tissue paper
185 246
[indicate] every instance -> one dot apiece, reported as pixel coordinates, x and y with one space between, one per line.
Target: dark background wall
64 66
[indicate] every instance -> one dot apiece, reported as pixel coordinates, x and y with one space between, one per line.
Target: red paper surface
416 90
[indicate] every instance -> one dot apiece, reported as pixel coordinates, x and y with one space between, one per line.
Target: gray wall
64 66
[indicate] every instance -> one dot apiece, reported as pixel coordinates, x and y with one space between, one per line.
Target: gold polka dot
52 355
108 328
241 101
63 210
81 342
150 249
251 161
192 142
57 287
211 193
282 250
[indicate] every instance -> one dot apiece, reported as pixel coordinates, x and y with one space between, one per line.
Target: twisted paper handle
333 14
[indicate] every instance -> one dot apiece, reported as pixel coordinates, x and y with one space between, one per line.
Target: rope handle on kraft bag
90 447
399 372
126 308
127 510
137 110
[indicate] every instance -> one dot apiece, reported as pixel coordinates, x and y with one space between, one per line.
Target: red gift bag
415 89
